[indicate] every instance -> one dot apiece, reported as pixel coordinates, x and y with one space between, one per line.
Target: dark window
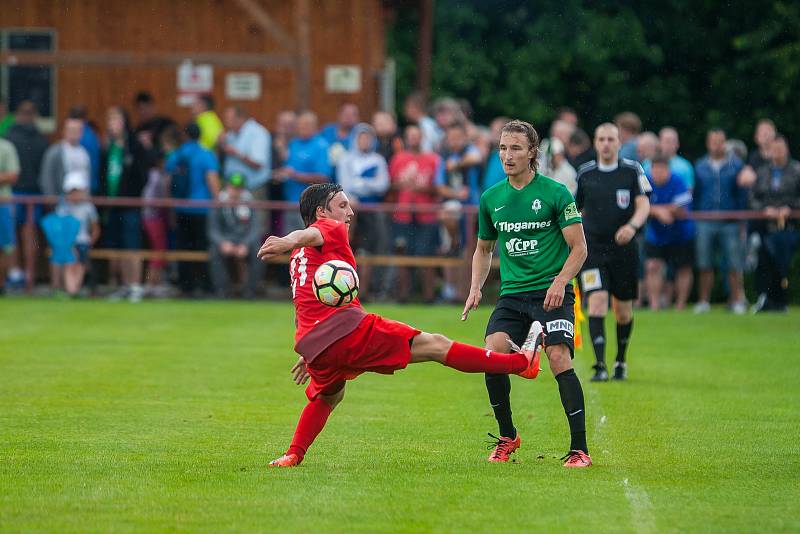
29 82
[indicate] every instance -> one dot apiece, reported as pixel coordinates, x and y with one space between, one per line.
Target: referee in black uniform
612 196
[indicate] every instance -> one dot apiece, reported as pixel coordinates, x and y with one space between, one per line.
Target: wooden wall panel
342 32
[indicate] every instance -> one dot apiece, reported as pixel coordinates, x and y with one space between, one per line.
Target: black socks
499 388
572 399
598 335
623 335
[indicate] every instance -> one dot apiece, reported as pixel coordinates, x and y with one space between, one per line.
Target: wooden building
266 55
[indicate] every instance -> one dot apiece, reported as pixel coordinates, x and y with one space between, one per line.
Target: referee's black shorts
515 313
612 268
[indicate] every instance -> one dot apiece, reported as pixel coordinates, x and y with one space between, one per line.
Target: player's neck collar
607 167
519 186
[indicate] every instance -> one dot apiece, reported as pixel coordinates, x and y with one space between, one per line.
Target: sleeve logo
571 211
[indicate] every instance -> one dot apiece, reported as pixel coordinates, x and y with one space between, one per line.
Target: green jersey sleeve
567 209
486 229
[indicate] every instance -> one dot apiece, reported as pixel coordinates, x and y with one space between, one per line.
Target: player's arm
481 265
275 246
573 235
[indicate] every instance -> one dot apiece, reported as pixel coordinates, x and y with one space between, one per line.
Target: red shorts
377 345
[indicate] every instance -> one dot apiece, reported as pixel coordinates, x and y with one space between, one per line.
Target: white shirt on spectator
76 158
255 142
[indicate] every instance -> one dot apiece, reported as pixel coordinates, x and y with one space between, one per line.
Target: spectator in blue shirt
668 144
200 168
458 184
629 125
669 238
338 134
718 188
306 163
494 167
248 150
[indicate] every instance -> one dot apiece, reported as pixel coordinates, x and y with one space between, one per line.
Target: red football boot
577 459
532 349
287 460
503 448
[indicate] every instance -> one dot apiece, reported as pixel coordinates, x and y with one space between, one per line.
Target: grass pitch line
642 516
641 508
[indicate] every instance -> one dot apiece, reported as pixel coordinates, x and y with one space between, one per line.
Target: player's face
606 143
515 153
339 208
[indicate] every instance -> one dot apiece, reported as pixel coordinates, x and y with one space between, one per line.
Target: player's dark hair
527 129
316 196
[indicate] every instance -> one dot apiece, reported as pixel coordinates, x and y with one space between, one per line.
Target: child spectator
76 205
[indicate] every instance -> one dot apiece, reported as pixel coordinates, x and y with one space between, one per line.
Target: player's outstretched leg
471 359
311 423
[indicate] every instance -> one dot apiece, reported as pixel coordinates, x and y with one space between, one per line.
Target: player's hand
624 234
554 297
473 300
273 246
299 372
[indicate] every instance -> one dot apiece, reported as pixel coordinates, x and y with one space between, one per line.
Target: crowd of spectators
440 159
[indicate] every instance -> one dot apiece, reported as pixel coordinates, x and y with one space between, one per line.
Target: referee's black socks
623 335
572 399
499 388
598 334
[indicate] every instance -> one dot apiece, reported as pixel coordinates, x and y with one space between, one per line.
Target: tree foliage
691 64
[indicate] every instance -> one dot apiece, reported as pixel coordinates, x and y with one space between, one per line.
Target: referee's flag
579 317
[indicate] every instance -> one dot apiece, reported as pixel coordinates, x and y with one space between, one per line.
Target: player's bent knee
598 305
559 358
430 347
333 399
498 342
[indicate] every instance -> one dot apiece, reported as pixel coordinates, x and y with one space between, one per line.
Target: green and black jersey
527 225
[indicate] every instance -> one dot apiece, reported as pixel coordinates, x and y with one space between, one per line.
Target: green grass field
163 416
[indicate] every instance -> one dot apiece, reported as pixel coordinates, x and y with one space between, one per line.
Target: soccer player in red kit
338 344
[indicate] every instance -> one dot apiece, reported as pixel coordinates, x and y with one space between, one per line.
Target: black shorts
676 256
515 313
612 268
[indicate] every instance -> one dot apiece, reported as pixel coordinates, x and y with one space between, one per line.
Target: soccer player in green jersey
542 248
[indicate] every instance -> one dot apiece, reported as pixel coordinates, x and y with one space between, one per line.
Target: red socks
470 359
311 423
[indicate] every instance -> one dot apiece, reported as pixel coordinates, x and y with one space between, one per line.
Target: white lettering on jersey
299 261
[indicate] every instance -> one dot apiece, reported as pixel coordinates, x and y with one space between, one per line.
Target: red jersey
318 325
424 167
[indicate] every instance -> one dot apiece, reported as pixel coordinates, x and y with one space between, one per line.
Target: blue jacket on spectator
305 156
91 143
717 190
681 230
200 162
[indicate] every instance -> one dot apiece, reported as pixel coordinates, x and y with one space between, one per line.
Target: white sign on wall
193 80
243 86
343 79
